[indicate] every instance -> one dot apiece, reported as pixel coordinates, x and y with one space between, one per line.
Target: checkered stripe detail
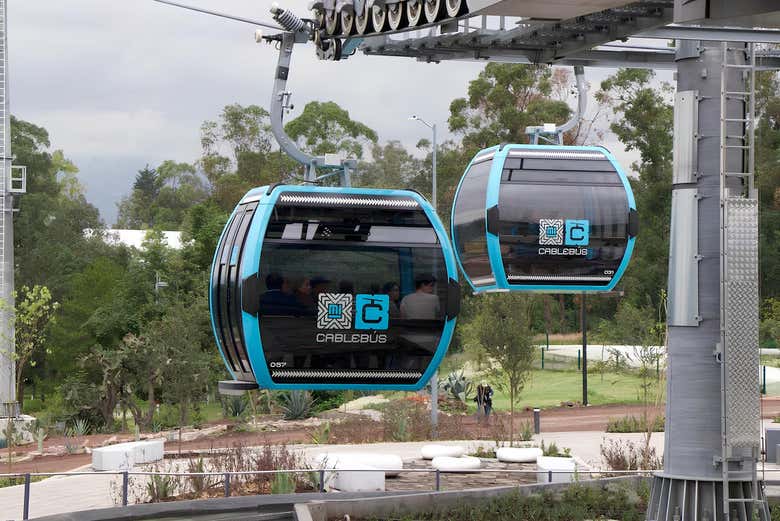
347 200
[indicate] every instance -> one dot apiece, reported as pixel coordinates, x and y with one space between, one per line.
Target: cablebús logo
560 232
335 311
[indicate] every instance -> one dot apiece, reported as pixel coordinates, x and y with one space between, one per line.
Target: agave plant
458 386
235 406
81 427
296 405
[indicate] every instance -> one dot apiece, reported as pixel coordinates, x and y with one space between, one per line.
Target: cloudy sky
119 84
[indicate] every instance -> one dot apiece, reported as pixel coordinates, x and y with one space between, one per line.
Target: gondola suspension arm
554 133
296 30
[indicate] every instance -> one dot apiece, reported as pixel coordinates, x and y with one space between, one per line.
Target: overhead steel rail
584 41
546 42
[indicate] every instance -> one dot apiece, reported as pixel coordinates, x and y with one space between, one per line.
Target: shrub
574 502
321 434
296 405
458 386
80 427
356 429
327 400
283 483
626 455
267 457
553 450
167 417
33 405
160 487
406 420
632 423
526 431
234 406
482 452
198 484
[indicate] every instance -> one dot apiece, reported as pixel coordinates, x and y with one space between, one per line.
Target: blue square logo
372 311
335 311
577 232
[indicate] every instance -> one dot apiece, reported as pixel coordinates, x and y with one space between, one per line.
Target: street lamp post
433 159
435 378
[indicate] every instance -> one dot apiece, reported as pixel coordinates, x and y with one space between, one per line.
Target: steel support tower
712 441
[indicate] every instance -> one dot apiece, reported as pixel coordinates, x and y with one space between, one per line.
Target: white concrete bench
123 456
433 450
563 469
378 460
518 454
448 463
367 479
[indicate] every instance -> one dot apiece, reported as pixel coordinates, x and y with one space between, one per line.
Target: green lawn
550 388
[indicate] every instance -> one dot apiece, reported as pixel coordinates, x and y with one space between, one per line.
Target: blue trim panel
251 264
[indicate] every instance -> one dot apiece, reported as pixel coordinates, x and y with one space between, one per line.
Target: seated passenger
394 292
423 304
303 293
278 300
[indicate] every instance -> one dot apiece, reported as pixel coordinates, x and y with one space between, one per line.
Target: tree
502 102
643 120
325 128
501 325
49 243
161 197
768 181
249 160
393 167
33 312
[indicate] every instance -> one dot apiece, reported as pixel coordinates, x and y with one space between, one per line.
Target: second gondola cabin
333 288
544 218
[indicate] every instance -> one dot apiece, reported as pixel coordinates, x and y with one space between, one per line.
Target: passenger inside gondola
423 304
278 300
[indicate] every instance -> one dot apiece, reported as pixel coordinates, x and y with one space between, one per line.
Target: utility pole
434 382
584 326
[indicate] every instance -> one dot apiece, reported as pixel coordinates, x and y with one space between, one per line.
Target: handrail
320 471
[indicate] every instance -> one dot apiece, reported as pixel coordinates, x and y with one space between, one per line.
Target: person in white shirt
423 304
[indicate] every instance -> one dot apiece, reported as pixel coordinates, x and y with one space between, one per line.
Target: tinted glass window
362 303
562 234
469 225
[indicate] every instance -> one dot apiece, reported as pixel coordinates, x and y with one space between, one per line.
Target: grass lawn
550 388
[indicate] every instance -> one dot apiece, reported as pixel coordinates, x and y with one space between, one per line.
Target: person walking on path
487 397
480 399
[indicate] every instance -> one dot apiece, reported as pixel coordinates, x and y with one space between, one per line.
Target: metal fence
321 473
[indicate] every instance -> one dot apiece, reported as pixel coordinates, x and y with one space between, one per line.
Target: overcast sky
119 84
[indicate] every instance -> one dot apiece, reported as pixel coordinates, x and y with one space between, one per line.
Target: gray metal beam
722 34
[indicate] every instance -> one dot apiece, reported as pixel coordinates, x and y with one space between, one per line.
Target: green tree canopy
326 128
502 102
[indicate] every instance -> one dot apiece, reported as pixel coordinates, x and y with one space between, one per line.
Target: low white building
135 238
